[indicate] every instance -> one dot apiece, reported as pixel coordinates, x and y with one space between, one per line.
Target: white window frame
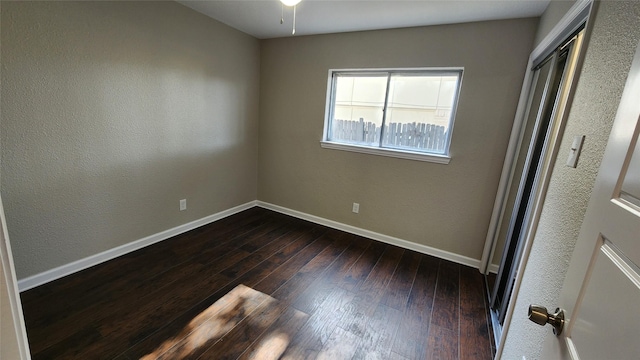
387 151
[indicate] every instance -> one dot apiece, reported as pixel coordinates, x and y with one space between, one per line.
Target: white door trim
8 271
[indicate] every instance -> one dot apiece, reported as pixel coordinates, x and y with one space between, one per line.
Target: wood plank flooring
262 285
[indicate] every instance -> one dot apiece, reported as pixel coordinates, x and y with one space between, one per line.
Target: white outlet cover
183 204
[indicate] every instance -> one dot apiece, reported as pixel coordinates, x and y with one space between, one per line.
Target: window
400 113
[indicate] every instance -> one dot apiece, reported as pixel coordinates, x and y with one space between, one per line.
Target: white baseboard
79 265
68 269
375 236
493 268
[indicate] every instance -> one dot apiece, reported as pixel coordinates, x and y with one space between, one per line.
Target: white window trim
385 151
396 153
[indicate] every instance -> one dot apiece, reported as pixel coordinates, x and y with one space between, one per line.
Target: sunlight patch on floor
212 324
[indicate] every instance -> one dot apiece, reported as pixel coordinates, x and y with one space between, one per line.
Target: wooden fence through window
421 136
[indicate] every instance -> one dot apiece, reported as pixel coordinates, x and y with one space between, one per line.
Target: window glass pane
410 110
419 112
358 109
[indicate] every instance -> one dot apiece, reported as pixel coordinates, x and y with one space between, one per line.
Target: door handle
539 315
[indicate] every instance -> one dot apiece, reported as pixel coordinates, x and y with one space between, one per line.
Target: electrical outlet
356 208
183 204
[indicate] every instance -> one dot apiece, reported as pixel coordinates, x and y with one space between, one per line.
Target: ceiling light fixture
289 3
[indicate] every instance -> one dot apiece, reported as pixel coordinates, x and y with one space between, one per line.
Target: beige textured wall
111 113
444 206
610 51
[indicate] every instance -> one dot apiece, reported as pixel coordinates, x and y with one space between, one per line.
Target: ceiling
261 18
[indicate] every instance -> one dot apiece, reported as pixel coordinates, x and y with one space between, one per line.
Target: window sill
401 154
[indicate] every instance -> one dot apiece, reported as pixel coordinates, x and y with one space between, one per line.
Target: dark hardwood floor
262 285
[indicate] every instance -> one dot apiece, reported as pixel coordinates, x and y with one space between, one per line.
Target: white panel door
601 293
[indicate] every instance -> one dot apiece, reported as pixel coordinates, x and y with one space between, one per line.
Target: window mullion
384 109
